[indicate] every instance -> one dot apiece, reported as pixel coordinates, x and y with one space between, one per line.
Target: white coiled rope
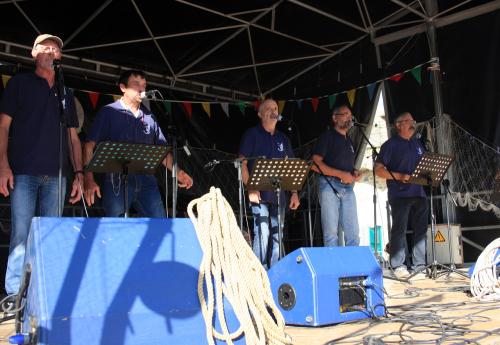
485 283
229 269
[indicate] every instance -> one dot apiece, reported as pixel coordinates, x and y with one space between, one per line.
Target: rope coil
485 282
230 271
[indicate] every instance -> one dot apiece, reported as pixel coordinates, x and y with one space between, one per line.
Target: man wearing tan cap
29 158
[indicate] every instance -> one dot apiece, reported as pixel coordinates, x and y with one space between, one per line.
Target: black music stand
277 175
430 171
126 158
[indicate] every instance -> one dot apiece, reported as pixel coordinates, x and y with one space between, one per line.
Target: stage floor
425 312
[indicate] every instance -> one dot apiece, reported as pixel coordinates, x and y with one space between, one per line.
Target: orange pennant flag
351 95
5 79
281 105
315 102
189 109
94 97
206 107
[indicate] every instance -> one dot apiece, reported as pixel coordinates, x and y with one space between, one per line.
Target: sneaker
401 272
421 275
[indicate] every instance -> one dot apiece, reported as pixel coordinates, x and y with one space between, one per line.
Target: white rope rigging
230 270
485 281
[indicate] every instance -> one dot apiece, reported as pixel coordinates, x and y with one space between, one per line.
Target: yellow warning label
439 237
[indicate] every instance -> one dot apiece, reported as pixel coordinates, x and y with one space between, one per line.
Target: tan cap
44 37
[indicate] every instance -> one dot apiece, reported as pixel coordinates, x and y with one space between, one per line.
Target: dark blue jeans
143 193
28 193
412 212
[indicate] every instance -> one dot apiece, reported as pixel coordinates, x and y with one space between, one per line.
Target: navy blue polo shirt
256 141
402 155
336 149
33 147
116 123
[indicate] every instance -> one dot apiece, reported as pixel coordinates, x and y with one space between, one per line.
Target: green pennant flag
416 72
241 105
331 101
168 106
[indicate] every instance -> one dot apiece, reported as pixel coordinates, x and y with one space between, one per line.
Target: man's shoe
401 272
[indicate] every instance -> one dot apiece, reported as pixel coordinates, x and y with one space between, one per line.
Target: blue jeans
266 239
29 191
143 193
413 212
338 211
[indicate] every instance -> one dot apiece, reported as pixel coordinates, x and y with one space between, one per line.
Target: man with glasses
333 158
400 155
29 169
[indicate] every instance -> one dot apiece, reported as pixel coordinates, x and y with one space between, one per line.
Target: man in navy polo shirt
334 156
266 140
29 112
400 155
128 120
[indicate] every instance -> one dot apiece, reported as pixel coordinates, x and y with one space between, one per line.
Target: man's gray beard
346 125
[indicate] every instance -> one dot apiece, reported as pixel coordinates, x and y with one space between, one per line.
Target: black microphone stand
380 258
61 96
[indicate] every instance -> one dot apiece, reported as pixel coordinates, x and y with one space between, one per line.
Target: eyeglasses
413 122
342 114
47 49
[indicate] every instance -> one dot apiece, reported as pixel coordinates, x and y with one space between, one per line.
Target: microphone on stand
210 164
151 94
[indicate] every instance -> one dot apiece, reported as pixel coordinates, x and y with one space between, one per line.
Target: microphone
56 63
210 164
151 94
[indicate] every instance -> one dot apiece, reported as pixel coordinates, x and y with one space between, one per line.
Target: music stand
430 171
278 174
126 158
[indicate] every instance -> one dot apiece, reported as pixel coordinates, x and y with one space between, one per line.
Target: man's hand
91 188
402 177
6 181
76 189
357 175
184 180
347 178
254 196
294 201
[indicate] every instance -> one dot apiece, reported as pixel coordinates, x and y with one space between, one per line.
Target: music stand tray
278 174
290 172
126 158
431 166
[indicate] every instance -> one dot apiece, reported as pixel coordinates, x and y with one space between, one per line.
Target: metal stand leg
280 229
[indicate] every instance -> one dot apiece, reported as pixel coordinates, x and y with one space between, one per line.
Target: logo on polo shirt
146 129
419 151
281 147
352 149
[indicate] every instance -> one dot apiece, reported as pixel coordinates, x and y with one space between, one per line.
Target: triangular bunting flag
416 72
116 97
371 90
168 106
281 105
351 95
5 79
331 101
147 103
256 104
431 78
225 108
94 97
189 109
241 105
396 77
206 107
315 102
299 103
